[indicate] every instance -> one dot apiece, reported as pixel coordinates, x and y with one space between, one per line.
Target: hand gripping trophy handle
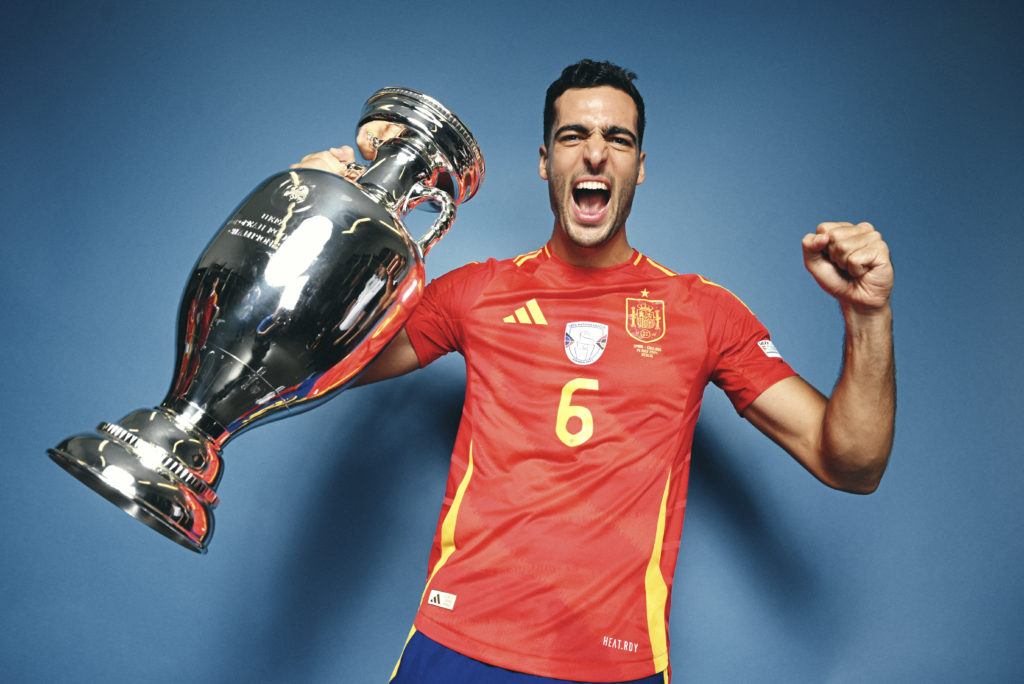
306 282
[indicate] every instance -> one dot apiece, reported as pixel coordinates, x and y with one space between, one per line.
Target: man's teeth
591 185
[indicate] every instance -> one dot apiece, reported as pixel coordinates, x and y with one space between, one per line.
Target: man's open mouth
591 199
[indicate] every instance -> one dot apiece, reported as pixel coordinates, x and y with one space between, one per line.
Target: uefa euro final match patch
585 341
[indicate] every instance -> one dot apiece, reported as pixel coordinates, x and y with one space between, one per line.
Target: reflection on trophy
301 288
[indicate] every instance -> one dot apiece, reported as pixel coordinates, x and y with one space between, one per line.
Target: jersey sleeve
747 362
435 326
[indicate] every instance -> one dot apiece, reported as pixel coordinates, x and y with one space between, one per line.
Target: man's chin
590 236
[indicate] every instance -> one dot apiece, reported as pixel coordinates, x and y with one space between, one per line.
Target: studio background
130 130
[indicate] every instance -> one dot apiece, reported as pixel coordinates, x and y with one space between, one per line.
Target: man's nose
596 152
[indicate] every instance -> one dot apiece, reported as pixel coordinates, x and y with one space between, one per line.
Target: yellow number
567 410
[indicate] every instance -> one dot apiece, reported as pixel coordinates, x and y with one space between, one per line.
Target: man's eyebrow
619 130
575 128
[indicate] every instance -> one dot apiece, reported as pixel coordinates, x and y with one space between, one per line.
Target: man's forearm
859 419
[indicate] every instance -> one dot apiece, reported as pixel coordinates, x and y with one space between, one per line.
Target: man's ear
640 174
543 168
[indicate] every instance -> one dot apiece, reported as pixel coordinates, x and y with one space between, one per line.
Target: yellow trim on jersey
661 268
448 526
657 590
708 282
639 258
447 541
523 258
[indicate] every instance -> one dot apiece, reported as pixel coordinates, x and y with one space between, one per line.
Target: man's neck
611 253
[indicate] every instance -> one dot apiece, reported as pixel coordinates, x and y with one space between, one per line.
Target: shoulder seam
658 266
713 284
523 258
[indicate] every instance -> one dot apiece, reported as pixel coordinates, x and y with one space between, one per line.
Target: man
586 363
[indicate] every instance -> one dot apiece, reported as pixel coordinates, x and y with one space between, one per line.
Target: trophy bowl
300 289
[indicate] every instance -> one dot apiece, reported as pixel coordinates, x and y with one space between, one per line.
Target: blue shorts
427 662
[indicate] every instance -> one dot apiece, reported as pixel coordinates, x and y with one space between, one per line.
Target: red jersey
559 532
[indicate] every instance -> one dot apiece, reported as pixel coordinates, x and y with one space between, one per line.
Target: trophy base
120 475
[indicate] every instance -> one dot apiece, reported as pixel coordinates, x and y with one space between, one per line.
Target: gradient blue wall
131 129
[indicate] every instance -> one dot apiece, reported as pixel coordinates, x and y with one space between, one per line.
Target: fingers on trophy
369 138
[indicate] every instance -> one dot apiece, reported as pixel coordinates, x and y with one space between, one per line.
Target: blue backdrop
131 129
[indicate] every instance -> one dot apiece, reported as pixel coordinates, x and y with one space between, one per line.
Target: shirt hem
532 664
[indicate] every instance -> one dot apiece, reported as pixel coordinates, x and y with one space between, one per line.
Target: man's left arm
843 440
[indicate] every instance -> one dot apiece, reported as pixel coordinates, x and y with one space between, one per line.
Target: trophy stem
401 162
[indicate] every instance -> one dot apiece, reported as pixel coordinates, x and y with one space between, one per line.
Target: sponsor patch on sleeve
769 349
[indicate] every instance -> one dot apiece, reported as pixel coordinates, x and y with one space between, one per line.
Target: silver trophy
301 288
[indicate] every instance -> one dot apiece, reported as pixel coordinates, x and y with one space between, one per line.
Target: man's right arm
398 358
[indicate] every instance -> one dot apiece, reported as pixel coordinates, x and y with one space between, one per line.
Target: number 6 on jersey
567 410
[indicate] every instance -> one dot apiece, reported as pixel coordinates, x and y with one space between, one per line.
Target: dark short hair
590 74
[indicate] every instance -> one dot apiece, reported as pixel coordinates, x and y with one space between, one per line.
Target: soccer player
586 363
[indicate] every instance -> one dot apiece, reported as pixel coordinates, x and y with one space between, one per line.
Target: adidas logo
530 313
441 599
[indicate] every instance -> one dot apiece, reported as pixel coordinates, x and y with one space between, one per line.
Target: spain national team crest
645 319
585 341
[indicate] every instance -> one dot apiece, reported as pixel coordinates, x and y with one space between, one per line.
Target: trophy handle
417 194
420 192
